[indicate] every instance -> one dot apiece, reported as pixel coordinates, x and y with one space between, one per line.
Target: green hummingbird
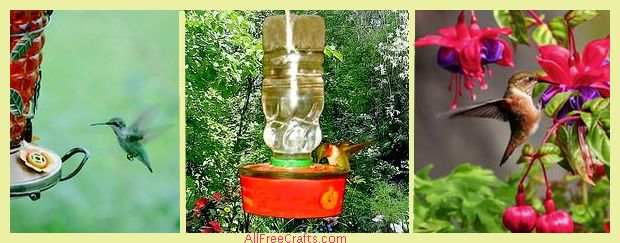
517 107
338 155
132 138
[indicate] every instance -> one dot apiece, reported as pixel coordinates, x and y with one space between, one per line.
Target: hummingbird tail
510 148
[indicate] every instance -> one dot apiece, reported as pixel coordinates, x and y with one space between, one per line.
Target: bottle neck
291 160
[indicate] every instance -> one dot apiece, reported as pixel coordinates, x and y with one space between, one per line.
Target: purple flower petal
491 51
448 59
549 93
588 93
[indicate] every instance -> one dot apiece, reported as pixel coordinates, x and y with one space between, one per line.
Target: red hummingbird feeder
291 185
33 168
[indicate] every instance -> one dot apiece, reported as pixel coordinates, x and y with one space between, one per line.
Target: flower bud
555 222
520 218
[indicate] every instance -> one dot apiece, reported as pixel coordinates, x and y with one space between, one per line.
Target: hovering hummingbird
132 138
338 155
516 107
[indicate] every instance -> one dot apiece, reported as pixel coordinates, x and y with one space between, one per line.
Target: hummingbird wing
354 148
144 119
140 129
494 109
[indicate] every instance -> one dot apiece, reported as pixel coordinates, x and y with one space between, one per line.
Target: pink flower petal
461 28
448 32
595 52
494 32
469 58
555 72
433 40
555 53
602 87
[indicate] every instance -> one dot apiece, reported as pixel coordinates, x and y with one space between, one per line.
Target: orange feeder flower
291 185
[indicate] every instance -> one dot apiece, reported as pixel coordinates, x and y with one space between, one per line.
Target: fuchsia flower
212 227
587 74
217 197
466 52
199 205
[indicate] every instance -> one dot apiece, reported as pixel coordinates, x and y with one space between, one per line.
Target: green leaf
519 29
514 20
569 144
588 119
338 55
424 173
591 103
16 102
549 148
598 142
539 88
524 159
581 213
542 35
577 17
550 159
528 149
600 107
557 102
22 46
330 51
502 17
558 29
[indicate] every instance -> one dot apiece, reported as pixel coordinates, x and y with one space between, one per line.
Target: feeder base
313 192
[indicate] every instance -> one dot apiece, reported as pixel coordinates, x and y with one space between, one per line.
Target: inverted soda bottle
292 92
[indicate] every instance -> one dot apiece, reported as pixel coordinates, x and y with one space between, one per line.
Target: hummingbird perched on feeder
517 107
132 138
338 155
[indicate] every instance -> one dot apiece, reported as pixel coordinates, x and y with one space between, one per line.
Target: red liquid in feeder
25 70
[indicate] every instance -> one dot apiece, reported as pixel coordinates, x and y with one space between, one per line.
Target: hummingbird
338 155
517 107
132 138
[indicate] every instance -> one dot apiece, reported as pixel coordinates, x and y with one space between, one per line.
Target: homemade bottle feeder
291 185
33 168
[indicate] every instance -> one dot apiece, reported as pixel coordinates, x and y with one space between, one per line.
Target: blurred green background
97 65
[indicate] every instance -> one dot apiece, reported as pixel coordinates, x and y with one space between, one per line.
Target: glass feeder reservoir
33 168
290 185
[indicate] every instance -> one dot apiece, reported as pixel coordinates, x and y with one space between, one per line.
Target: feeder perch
33 168
291 185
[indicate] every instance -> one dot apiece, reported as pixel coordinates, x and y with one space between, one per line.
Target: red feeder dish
312 192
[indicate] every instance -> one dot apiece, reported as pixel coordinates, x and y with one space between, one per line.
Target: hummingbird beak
101 124
545 81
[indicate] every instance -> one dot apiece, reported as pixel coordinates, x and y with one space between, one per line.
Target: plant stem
556 125
571 40
474 18
585 152
527 171
536 17
542 166
584 193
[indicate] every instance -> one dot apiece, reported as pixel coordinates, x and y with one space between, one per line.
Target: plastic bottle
292 92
